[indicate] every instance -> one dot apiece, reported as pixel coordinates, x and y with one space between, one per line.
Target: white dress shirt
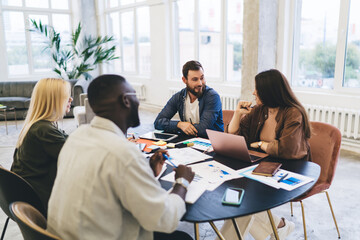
105 189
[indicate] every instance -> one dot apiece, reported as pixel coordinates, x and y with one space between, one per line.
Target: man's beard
134 115
197 94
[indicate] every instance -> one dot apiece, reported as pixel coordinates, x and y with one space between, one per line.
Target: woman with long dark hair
278 125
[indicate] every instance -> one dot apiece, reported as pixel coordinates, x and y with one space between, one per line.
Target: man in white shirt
105 188
198 106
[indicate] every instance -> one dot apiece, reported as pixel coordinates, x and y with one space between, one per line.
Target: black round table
258 197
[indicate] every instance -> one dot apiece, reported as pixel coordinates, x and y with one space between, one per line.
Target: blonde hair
48 102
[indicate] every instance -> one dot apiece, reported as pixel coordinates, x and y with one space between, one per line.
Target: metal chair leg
196 229
303 217
218 233
332 212
238 233
292 214
4 229
273 225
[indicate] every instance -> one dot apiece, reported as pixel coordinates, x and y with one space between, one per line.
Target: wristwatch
182 181
259 144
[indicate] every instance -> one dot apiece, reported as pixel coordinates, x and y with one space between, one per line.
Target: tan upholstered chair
227 116
325 148
83 114
31 222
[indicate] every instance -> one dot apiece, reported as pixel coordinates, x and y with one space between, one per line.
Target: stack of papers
282 179
201 144
208 176
186 156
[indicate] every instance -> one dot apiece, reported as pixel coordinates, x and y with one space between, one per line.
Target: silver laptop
233 146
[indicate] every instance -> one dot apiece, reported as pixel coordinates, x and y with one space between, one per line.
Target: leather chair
31 222
227 116
325 145
15 188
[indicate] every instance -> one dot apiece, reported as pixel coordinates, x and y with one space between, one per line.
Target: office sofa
18 94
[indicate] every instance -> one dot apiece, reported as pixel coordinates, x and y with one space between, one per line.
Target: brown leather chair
31 222
325 144
227 116
15 188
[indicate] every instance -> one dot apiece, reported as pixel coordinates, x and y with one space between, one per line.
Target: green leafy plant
78 57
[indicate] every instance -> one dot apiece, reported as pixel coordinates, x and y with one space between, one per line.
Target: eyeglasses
130 94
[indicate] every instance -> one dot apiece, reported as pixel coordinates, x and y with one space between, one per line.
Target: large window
326 47
129 22
25 54
209 31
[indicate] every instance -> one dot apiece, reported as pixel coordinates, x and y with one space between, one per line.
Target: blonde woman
40 140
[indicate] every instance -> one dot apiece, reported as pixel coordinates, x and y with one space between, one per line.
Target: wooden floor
344 193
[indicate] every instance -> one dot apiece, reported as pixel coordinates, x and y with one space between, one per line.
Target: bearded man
198 105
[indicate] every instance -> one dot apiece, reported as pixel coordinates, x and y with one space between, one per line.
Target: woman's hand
243 107
260 145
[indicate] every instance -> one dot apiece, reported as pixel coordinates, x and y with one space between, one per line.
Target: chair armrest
83 96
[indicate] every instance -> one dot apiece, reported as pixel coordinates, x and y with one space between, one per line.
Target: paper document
282 179
186 156
208 176
201 144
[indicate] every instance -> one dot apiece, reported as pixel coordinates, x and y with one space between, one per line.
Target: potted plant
78 57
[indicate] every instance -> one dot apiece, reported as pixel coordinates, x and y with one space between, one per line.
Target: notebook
233 146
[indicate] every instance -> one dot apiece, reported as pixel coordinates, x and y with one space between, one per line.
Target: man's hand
187 128
157 161
243 107
183 171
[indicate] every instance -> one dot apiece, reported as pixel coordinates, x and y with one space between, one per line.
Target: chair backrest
31 222
325 145
227 116
14 188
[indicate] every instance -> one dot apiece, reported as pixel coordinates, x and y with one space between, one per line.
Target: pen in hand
283 177
167 158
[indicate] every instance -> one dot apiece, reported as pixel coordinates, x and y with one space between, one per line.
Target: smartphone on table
233 196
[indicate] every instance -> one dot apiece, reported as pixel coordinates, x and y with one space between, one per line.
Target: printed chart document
208 176
186 156
282 179
201 144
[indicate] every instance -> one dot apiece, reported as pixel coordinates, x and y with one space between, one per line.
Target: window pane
143 26
314 65
352 63
61 24
40 56
210 36
17 3
234 40
184 14
63 4
113 29
15 43
124 2
112 3
127 26
37 3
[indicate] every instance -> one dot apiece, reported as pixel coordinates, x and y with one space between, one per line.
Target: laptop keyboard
254 158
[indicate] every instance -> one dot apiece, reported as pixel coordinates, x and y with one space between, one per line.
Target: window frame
26 11
132 7
174 53
289 35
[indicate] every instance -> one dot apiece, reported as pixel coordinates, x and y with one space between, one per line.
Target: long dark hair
274 90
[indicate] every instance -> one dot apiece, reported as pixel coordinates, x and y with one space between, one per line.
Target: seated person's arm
163 120
242 108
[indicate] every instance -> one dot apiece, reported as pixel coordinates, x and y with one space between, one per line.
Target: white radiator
229 102
346 120
140 90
